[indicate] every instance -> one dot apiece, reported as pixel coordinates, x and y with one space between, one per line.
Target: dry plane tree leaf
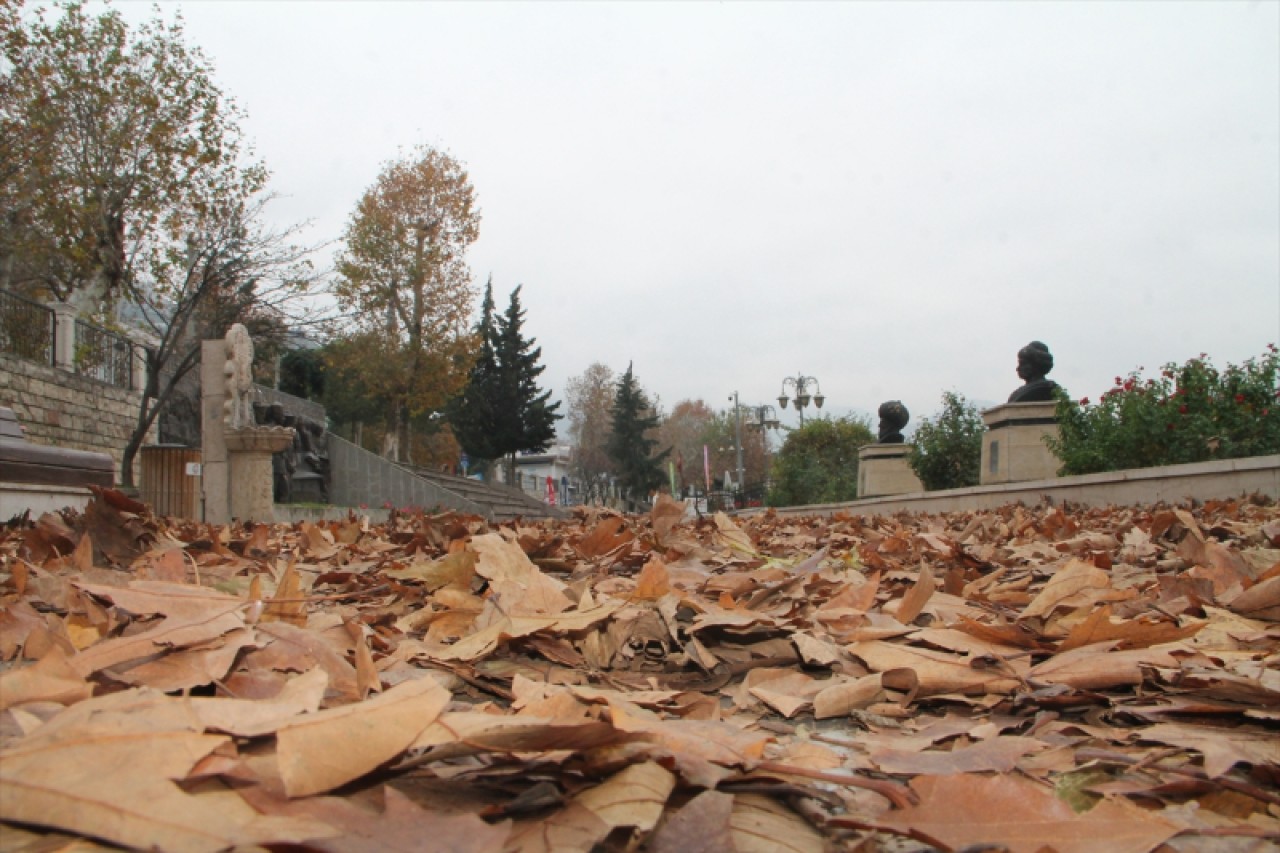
1098 667
608 535
288 605
916 598
999 754
573 829
1259 597
666 513
51 679
367 678
1222 748
965 810
111 775
370 733
455 569
1074 585
634 797
701 825
520 587
760 825
474 732
733 537
837 700
193 667
288 648
937 672
1131 633
173 632
653 582
1058 641
401 827
253 718
486 640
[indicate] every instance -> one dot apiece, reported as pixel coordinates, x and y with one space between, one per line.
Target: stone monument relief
239 373
237 481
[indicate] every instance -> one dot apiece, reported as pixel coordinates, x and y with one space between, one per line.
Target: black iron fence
36 332
26 328
103 355
726 500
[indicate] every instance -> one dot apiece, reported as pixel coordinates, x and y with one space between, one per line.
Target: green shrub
818 463
947 451
1189 413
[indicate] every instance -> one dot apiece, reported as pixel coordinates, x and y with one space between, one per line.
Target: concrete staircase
502 503
364 479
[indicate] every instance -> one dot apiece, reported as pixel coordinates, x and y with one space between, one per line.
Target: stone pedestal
883 470
215 474
250 450
1013 448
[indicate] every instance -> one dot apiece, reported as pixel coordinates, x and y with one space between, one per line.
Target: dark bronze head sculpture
893 418
1034 362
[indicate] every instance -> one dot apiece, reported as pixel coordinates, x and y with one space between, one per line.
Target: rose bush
1189 413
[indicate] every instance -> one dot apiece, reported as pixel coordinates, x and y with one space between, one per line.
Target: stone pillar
883 470
216 472
138 343
236 452
249 465
64 336
1013 448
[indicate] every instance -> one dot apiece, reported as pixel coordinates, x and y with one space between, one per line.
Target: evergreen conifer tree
472 413
638 470
502 411
525 419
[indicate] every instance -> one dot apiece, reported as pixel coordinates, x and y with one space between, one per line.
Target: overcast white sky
892 197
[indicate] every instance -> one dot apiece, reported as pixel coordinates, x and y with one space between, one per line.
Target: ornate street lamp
737 436
764 417
801 386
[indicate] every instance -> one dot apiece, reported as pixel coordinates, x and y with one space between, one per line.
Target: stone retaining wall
63 409
1172 484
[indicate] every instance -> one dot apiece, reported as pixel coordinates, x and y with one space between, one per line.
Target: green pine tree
502 411
525 419
472 414
638 469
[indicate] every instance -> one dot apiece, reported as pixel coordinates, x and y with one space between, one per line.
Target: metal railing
103 355
727 500
26 328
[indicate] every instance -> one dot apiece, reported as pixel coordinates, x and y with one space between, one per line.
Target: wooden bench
39 464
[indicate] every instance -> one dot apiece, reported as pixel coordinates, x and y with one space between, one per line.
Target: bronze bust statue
893 418
1034 361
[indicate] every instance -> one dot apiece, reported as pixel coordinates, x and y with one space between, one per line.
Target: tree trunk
391 439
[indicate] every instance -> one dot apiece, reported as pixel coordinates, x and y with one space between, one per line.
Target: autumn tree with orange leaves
405 290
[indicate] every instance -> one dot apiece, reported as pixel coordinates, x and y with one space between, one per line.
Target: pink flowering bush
1189 413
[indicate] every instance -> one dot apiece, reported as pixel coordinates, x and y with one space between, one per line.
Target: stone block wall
63 409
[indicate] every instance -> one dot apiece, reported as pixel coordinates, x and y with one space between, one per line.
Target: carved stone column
250 449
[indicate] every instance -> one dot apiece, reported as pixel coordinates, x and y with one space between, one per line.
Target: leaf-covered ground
1025 679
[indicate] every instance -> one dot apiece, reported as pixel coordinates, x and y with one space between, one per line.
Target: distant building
533 469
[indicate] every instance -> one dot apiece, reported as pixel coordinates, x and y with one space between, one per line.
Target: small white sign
193 469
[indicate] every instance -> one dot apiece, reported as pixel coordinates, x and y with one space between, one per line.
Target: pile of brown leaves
1023 679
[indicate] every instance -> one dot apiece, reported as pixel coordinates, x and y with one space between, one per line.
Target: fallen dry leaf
654 682
964 810
382 727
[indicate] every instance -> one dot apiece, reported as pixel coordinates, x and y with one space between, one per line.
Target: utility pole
737 438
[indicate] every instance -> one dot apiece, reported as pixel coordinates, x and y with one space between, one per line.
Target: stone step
504 502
